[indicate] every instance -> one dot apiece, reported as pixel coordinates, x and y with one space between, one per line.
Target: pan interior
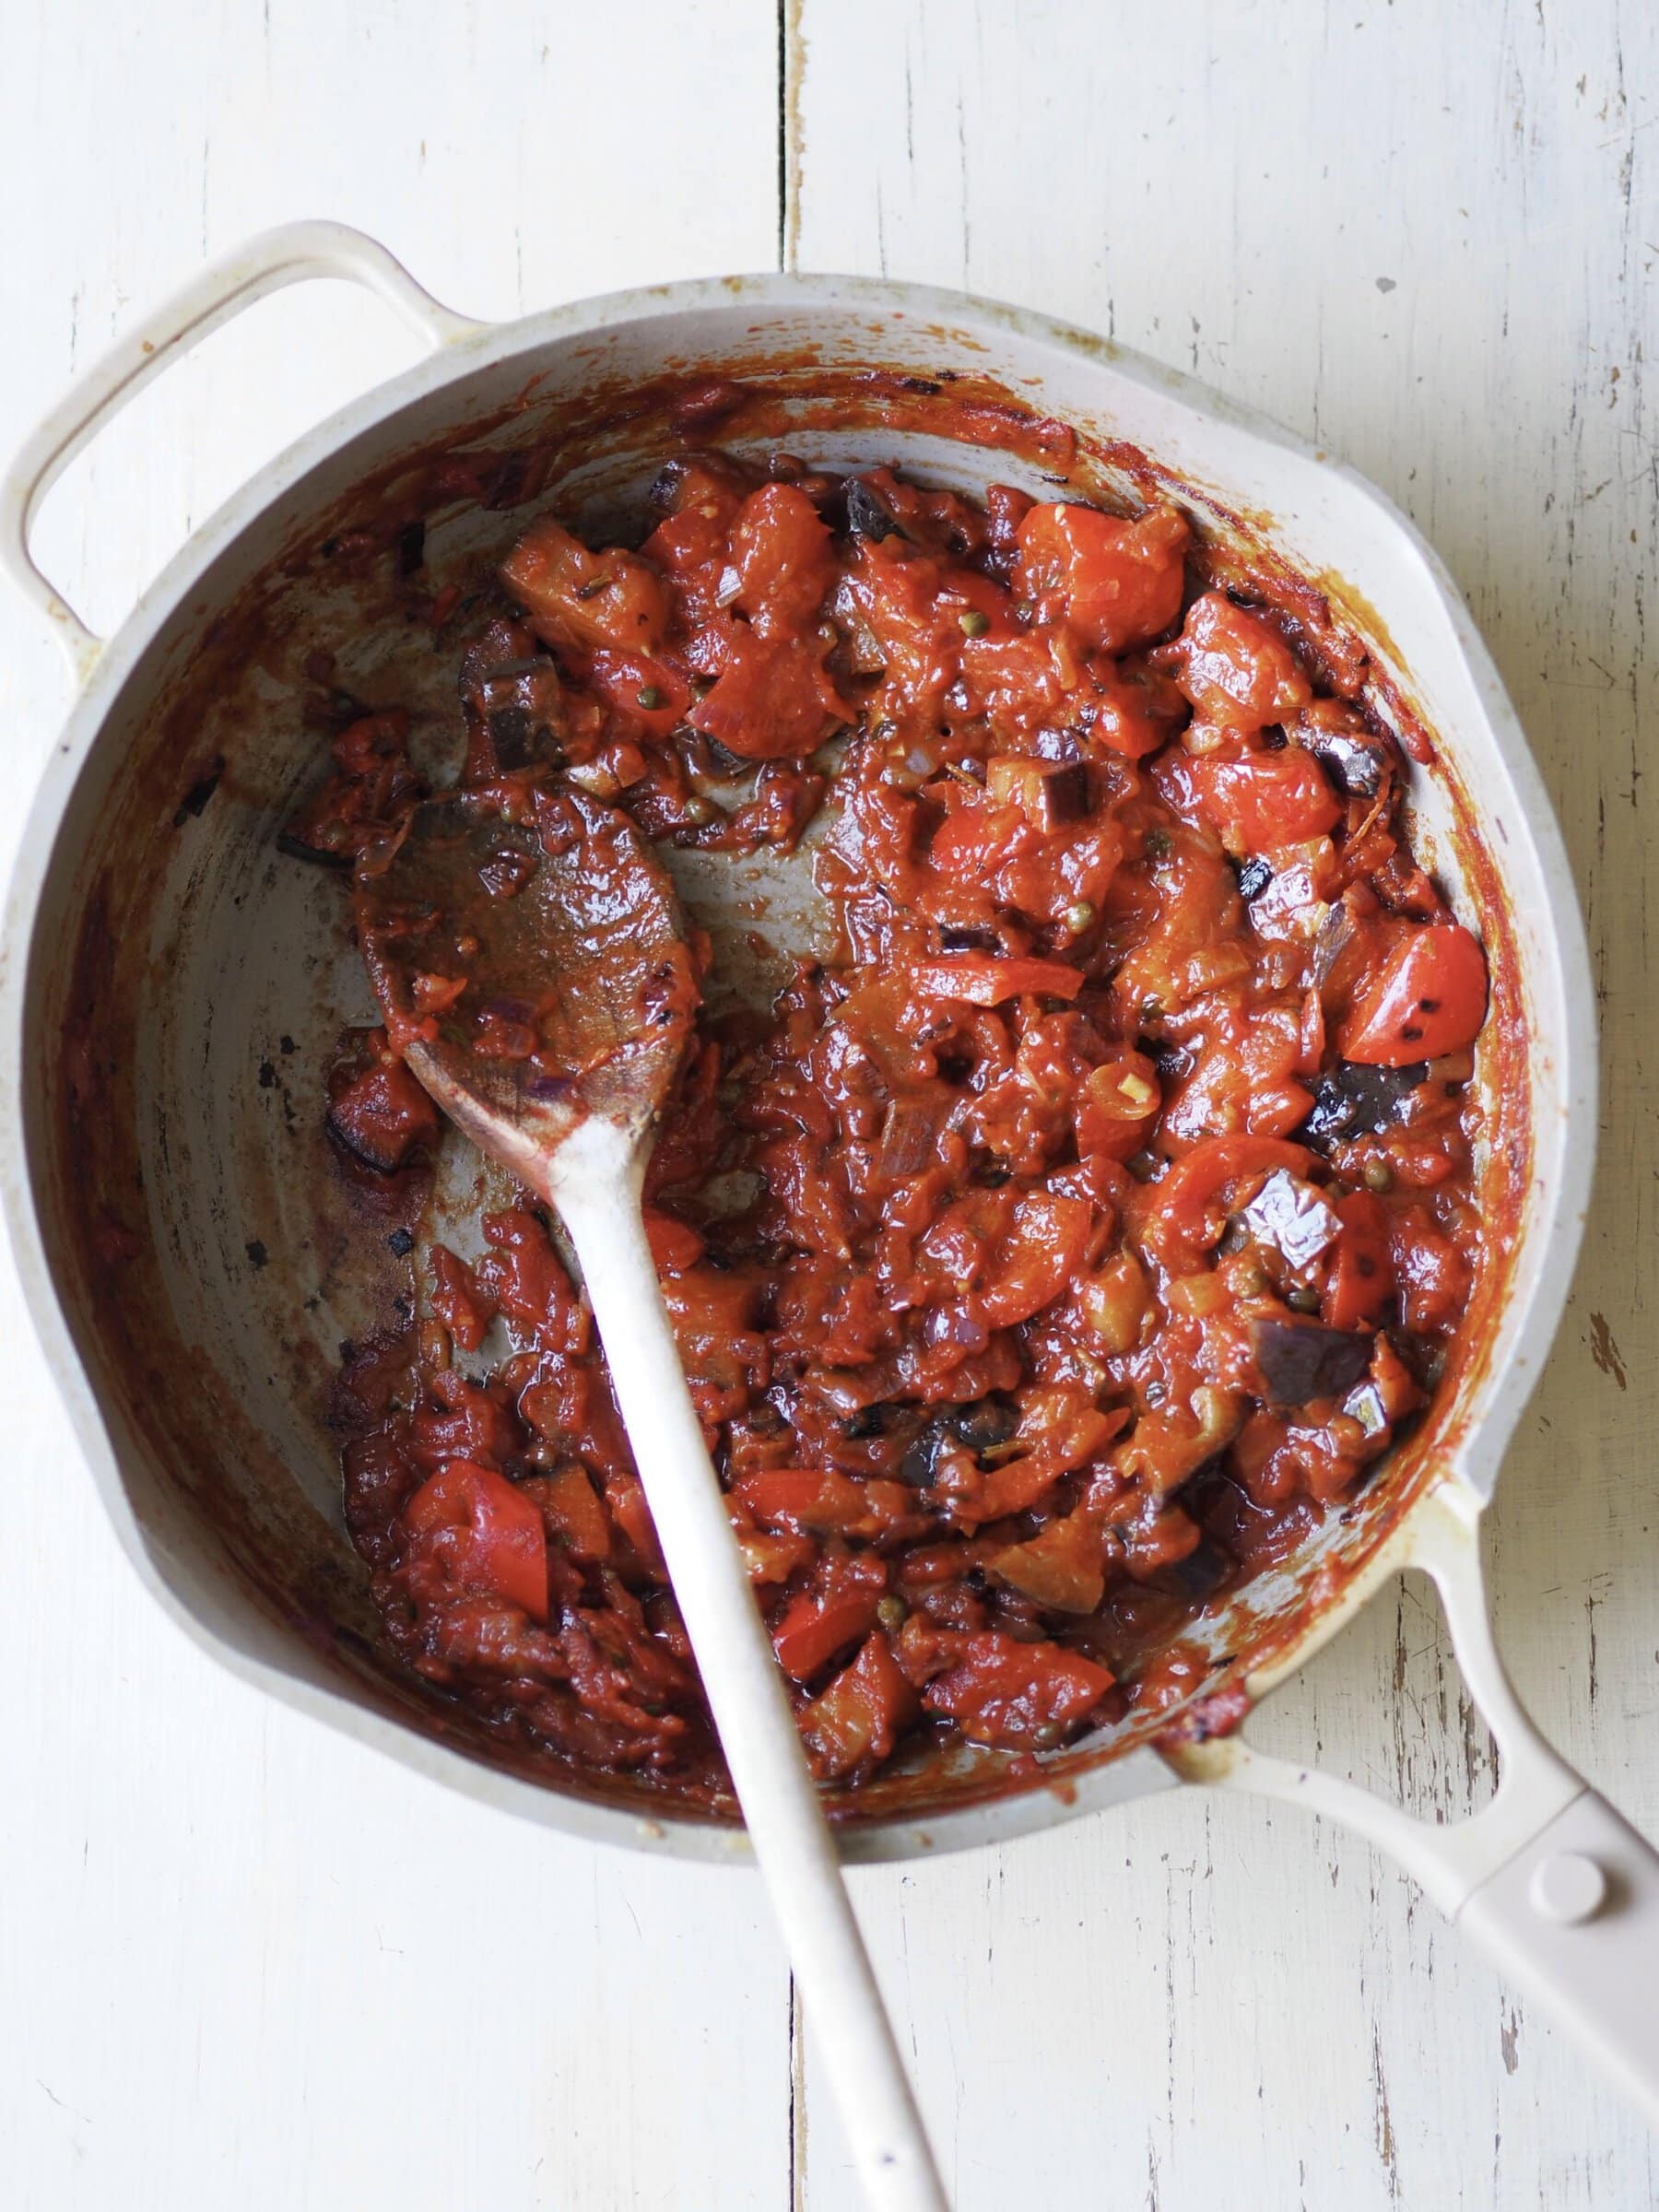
190 981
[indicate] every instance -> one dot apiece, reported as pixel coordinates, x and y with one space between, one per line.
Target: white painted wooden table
242 1963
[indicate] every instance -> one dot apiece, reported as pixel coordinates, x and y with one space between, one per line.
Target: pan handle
266 264
1554 1884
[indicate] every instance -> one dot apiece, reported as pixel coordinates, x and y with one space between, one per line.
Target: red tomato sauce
1045 1263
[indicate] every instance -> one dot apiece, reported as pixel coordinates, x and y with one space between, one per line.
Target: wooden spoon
527 952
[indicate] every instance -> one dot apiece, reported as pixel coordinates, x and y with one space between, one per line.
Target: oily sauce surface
1045 1263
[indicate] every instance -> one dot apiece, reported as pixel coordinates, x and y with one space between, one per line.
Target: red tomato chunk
1045 1261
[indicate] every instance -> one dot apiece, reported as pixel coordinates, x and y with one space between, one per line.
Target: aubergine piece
1292 1217
872 1420
1355 760
1302 1360
922 1459
909 1139
1253 878
1199 1575
868 515
1065 793
980 1426
1356 1101
968 936
984 1423
515 692
296 848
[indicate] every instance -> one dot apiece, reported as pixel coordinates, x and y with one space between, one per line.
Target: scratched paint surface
239 1962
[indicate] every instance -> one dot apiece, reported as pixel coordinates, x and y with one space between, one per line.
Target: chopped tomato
1433 1276
1005 1253
1062 1566
1267 800
773 699
1427 999
574 1510
1020 1695
1236 667
779 556
823 1502
457 1300
377 1109
816 1625
861 1716
675 1245
483 1533
575 597
527 1280
1035 1260
1116 1104
690 545
773 1558
641 689
1118 583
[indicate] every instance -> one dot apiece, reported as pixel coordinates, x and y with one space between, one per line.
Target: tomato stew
1042 1265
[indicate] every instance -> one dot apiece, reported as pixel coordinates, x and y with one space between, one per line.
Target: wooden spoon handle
779 1801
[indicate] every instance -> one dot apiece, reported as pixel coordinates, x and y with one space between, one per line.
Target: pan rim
1554 1234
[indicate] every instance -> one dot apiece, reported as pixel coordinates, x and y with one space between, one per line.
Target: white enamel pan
173 986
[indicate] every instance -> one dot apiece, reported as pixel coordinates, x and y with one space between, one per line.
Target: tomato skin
815 1625
984 979
822 1503
1267 800
1236 668
1118 583
1361 1280
1174 1229
1428 998
484 1533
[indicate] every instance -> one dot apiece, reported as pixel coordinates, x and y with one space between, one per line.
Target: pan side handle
289 255
1553 1883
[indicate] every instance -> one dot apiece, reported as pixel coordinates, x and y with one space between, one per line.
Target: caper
1078 916
892 1612
651 697
1301 1299
1377 1175
972 624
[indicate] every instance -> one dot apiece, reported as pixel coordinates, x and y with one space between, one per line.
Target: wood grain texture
242 1962
1425 238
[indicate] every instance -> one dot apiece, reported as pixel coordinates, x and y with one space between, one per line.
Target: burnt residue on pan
198 956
